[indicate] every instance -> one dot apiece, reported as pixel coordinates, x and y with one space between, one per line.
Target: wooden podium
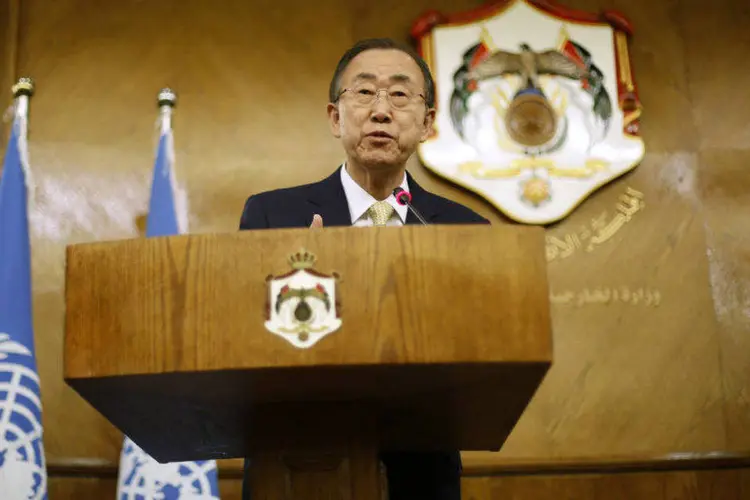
445 335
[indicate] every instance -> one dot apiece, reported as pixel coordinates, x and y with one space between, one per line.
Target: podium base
350 473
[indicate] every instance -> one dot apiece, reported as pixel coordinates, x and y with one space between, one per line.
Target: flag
23 474
140 476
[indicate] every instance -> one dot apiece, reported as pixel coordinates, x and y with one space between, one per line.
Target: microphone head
402 197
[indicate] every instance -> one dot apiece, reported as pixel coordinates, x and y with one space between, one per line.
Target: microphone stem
417 214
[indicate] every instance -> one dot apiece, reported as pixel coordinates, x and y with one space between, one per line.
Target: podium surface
444 337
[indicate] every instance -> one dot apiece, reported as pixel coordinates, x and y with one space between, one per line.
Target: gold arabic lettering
598 231
646 297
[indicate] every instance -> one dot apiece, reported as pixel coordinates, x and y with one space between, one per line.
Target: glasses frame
387 96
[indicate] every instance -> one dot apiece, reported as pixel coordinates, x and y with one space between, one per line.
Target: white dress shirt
360 200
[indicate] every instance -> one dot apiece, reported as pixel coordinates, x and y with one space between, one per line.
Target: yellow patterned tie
380 212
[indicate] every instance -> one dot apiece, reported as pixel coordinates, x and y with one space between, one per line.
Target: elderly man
382 99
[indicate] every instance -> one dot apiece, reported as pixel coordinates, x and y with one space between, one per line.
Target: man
382 100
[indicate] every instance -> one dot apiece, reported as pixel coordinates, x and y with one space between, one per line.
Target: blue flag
162 214
140 476
23 472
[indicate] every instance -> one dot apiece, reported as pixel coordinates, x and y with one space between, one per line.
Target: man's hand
317 221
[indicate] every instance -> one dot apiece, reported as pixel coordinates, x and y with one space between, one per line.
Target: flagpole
23 472
139 474
22 92
167 100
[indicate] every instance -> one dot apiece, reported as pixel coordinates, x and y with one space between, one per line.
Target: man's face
384 133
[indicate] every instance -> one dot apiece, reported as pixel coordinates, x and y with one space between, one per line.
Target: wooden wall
674 485
697 484
632 378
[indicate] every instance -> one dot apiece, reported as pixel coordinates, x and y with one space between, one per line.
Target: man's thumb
317 221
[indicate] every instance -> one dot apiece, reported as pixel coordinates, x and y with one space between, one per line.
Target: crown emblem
302 305
302 259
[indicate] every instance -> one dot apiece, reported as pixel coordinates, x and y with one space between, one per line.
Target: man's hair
382 43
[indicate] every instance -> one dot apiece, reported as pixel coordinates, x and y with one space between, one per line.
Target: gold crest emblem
302 307
536 104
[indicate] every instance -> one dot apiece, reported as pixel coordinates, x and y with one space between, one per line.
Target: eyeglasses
365 95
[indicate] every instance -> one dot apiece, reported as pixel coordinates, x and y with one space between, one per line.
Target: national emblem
536 105
302 305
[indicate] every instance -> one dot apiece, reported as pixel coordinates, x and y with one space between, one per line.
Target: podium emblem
302 307
537 106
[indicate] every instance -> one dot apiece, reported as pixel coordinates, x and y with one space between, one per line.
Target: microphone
404 198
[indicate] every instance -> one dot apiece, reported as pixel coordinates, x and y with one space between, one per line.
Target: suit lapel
421 200
329 200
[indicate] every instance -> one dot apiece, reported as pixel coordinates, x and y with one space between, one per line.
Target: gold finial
302 259
167 97
24 86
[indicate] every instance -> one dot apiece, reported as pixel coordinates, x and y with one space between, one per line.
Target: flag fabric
23 473
140 476
162 211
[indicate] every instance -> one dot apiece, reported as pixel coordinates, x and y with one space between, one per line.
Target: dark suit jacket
295 206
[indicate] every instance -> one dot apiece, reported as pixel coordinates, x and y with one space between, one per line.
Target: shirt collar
360 200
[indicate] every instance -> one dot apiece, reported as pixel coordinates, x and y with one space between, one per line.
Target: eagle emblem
536 107
302 307
529 65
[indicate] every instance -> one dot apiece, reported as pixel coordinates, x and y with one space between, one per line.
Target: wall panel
630 377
